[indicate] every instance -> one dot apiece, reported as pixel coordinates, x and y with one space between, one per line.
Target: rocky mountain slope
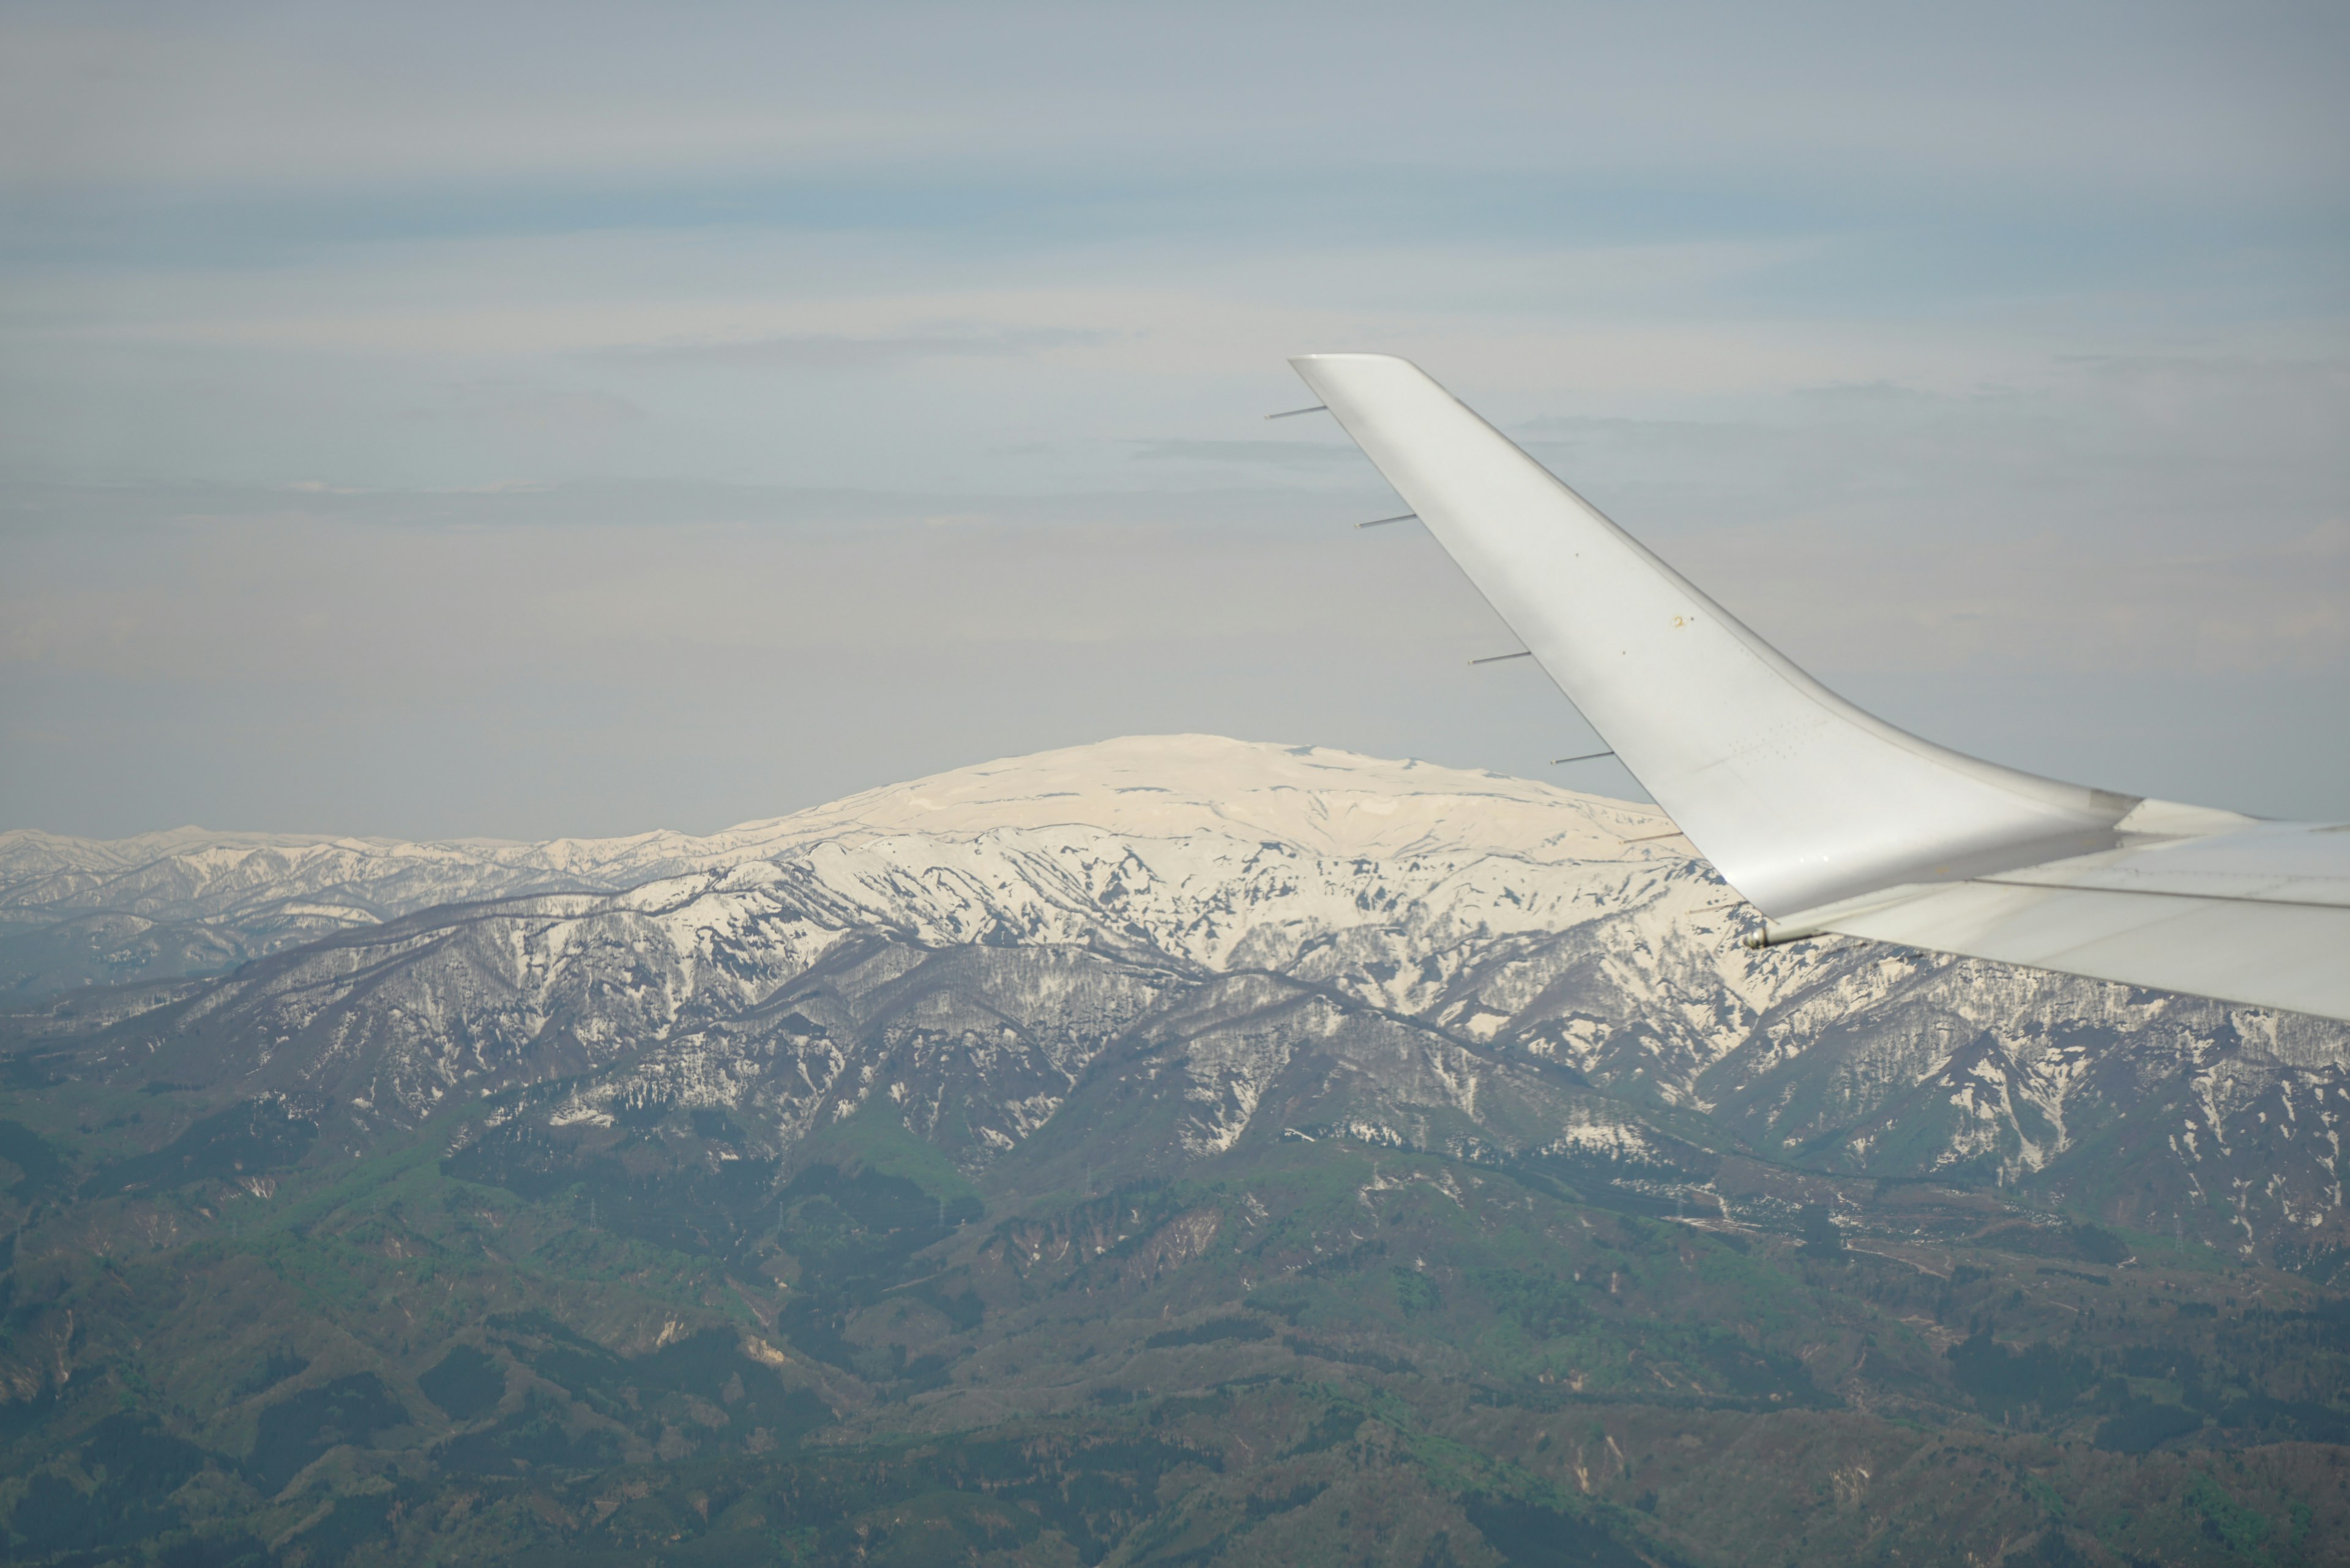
76 910
1484 966
1171 1151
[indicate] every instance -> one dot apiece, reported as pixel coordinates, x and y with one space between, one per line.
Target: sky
528 419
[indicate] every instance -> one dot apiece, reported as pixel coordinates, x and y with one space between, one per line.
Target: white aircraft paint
1824 816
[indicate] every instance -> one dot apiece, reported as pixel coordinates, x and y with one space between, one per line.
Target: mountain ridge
1357 1159
187 900
1525 925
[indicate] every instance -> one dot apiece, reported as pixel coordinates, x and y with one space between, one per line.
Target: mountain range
921 1101
1016 916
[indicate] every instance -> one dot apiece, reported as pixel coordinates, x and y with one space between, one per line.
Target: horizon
327 834
511 423
850 913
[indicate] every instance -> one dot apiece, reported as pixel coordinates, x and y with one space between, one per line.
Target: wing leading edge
1824 816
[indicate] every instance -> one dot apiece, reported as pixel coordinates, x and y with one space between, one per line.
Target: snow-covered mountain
1148 950
77 910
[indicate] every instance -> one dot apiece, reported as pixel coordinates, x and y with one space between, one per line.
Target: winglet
1799 798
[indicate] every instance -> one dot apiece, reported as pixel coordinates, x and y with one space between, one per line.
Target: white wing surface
1825 817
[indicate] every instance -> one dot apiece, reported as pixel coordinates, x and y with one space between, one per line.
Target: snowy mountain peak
188 899
1261 936
1173 786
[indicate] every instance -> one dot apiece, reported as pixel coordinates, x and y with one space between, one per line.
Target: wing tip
1300 361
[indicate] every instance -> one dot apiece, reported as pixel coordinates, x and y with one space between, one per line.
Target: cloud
1249 453
842 351
234 99
2096 95
529 412
1960 351
2050 604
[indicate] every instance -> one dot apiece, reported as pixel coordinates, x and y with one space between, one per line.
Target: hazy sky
524 420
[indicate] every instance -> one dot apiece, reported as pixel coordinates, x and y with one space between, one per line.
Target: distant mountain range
1175 1152
1474 964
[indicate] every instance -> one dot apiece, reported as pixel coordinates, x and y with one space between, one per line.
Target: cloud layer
528 420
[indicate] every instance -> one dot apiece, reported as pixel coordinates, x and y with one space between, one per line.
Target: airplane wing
1827 819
